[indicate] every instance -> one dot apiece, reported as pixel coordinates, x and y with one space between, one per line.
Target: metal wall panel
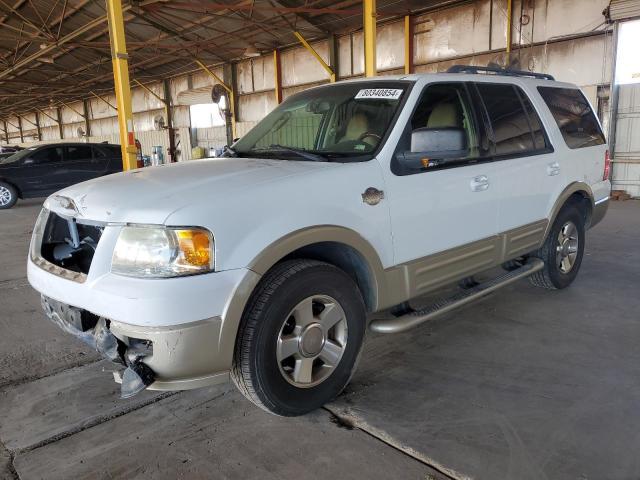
390 46
624 9
69 115
299 66
256 106
452 32
626 167
45 121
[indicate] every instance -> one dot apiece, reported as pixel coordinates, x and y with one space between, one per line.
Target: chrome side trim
410 320
40 262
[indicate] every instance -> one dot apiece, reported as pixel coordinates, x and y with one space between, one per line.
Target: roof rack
498 71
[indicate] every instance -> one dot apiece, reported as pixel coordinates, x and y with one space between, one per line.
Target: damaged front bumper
158 358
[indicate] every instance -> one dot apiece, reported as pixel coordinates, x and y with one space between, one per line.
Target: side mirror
439 141
432 147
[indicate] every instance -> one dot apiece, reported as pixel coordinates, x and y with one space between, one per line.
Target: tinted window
509 121
79 152
574 116
116 152
47 155
99 154
539 136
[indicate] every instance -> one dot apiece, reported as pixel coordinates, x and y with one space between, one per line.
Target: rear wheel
300 337
8 196
562 250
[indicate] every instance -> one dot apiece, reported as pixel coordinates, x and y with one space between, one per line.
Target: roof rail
498 71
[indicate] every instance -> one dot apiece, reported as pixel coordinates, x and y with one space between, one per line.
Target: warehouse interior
528 385
57 85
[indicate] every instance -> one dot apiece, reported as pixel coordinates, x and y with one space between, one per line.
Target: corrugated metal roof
163 37
624 9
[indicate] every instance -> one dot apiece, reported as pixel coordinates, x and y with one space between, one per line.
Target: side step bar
410 320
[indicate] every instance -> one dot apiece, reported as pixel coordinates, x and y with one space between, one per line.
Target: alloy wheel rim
312 341
5 196
567 247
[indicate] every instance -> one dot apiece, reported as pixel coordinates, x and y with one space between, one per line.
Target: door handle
553 169
479 183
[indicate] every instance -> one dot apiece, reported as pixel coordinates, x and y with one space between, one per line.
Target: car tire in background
8 196
562 250
300 337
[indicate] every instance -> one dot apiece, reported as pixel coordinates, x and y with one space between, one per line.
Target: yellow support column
369 23
408 45
119 59
509 22
277 74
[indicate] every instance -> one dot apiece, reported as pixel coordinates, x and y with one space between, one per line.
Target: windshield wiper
315 157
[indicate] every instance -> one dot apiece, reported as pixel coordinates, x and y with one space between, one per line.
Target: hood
152 194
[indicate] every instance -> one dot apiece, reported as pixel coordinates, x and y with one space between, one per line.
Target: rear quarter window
574 117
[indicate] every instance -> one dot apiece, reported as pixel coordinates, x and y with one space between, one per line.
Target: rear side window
516 126
572 113
116 152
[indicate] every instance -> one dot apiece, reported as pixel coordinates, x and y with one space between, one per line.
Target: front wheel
8 196
562 251
299 338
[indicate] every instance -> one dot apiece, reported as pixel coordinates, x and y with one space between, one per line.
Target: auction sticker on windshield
388 93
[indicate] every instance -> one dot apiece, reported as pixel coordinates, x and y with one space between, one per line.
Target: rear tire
300 337
8 196
562 251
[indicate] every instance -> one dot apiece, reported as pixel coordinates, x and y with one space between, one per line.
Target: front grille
68 244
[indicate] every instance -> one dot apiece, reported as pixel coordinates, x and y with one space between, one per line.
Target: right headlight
162 252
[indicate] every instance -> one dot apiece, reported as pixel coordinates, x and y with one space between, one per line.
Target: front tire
300 337
562 251
8 196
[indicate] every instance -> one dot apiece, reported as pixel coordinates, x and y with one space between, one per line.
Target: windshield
342 121
17 156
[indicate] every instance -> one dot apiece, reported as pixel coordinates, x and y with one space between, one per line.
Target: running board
410 320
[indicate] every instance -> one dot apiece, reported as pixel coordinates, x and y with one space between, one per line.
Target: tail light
607 166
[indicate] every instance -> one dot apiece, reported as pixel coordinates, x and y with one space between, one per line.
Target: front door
40 171
444 208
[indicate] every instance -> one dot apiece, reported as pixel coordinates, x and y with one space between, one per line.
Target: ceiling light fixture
251 52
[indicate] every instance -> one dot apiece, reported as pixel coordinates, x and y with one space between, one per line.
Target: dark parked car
42 170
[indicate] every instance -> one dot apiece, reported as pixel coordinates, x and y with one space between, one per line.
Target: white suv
346 200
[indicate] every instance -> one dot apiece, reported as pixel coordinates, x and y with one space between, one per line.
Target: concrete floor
526 384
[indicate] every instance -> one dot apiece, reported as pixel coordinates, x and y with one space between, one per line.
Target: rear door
528 171
79 164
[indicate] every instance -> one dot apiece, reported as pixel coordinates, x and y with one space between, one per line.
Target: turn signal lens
195 246
607 166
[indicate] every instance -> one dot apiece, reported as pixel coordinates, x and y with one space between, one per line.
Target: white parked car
348 199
